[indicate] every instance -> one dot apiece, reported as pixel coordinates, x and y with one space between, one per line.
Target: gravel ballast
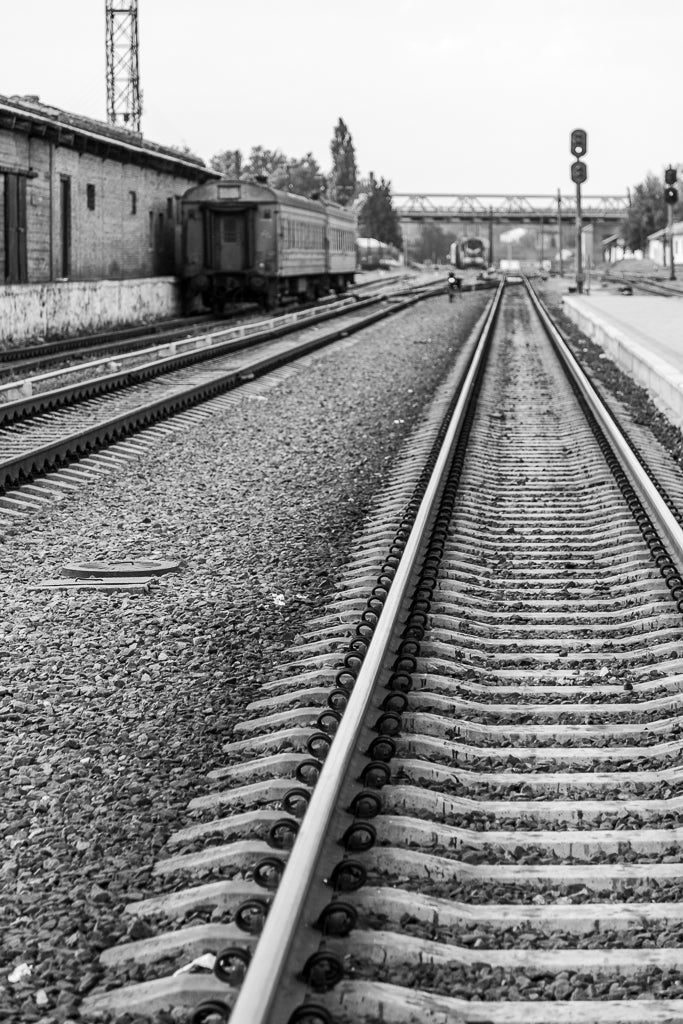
115 705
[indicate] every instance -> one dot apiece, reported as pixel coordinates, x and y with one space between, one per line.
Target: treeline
647 212
372 197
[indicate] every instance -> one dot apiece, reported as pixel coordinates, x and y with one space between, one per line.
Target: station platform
644 337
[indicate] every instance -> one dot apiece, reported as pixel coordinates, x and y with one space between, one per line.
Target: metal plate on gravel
97 582
134 567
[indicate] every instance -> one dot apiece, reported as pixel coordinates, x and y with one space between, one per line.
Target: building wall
114 240
658 250
109 241
60 308
2 227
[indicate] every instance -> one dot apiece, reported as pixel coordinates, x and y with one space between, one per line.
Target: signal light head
579 142
579 172
671 194
670 175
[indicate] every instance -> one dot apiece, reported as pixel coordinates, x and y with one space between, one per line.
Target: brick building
83 201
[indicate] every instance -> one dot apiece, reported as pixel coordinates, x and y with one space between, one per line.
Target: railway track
47 430
61 351
652 286
460 801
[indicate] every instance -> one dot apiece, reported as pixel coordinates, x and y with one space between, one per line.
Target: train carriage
246 241
468 252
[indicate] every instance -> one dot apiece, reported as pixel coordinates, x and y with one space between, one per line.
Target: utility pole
124 102
490 236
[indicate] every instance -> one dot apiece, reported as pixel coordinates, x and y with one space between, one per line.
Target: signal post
579 173
671 198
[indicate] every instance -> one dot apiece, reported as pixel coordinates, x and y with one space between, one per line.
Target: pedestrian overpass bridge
426 207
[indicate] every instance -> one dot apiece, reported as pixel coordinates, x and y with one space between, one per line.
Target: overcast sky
439 95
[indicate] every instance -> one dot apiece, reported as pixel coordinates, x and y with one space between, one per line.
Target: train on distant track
244 241
373 255
468 252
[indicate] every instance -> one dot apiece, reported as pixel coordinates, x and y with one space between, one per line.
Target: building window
90 195
150 237
133 203
178 209
169 209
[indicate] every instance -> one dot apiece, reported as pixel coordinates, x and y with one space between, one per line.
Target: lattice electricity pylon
124 101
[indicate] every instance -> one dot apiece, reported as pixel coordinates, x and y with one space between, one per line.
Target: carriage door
231 241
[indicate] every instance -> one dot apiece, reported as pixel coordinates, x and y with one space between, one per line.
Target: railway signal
579 172
670 190
671 197
578 144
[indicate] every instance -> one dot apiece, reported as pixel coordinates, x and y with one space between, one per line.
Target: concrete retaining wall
629 351
55 309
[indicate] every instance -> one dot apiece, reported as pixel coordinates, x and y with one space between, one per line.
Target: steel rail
123 335
127 337
108 431
69 393
276 942
131 338
633 467
44 401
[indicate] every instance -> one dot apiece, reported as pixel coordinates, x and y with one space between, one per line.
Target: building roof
664 232
26 114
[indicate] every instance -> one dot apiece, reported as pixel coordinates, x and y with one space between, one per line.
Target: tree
378 218
228 163
264 163
344 176
647 213
433 244
301 176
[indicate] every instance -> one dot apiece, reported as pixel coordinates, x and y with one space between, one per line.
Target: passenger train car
468 252
244 241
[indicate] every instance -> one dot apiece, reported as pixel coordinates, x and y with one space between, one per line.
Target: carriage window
90 196
266 214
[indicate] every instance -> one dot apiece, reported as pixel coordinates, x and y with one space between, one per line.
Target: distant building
81 200
614 248
658 245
